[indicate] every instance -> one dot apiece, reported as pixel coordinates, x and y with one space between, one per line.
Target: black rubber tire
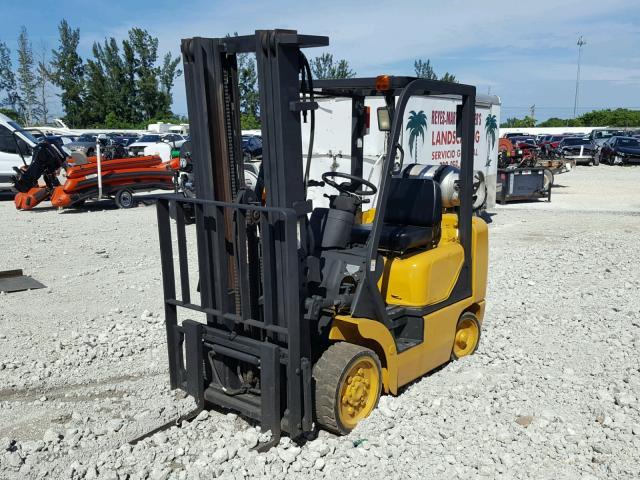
124 199
473 318
328 375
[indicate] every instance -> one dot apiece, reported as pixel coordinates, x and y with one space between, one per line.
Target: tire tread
327 373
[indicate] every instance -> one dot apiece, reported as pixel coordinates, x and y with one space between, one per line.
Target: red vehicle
551 143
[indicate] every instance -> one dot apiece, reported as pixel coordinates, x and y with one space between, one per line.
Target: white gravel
553 392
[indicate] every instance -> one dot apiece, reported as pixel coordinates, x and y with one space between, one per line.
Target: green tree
8 86
448 77
97 100
125 87
526 122
12 114
417 126
145 48
168 74
247 85
620 117
553 122
324 67
43 77
129 82
425 70
67 73
248 90
26 79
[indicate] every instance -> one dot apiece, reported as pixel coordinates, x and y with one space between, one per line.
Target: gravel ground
553 391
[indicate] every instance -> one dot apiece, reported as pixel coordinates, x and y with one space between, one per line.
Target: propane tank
448 176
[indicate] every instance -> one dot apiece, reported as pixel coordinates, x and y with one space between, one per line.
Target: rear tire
124 199
348 383
467 337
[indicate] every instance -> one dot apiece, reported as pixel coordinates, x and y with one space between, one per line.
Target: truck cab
16 145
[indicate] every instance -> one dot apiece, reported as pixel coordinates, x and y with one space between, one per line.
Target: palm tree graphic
417 125
490 128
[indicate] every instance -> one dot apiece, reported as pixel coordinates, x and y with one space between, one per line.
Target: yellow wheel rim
466 339
358 392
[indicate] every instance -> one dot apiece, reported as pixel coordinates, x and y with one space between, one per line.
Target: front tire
348 383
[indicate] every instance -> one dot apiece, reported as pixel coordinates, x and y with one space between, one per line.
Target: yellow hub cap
359 392
466 339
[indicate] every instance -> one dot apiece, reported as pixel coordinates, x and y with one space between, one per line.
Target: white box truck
428 137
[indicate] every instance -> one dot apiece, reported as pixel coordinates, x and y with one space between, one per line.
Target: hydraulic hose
312 125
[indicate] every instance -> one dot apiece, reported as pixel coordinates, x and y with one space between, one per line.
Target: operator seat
412 217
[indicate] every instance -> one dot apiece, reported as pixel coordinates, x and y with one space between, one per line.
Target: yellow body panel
368 216
424 278
480 249
398 369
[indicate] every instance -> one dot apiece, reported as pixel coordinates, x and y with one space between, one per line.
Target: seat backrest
414 201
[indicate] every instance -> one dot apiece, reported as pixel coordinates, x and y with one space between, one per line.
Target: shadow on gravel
486 216
523 202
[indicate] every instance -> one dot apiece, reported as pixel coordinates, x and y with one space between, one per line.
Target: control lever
315 183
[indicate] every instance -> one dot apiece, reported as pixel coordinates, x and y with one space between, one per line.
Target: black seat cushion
397 238
412 217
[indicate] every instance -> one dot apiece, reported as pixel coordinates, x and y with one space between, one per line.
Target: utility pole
580 43
532 109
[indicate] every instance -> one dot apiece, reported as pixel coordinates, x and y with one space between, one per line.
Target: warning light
383 83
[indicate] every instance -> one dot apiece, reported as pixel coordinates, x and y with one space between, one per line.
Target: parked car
16 145
540 139
600 135
126 140
580 149
513 134
252 147
59 140
86 143
137 148
620 150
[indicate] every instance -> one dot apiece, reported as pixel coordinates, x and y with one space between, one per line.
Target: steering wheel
349 188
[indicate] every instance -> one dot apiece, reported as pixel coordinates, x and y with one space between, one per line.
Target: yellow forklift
304 316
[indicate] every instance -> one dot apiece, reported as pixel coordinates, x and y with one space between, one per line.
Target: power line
598 107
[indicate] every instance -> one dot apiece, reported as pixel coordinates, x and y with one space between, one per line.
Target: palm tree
490 128
417 125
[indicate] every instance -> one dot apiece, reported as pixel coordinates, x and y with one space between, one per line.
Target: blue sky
524 52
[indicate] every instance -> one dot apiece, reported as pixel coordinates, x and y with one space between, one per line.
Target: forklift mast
251 285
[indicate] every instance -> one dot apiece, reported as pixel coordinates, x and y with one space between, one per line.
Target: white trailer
435 143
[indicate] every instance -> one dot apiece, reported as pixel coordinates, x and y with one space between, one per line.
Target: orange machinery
121 177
